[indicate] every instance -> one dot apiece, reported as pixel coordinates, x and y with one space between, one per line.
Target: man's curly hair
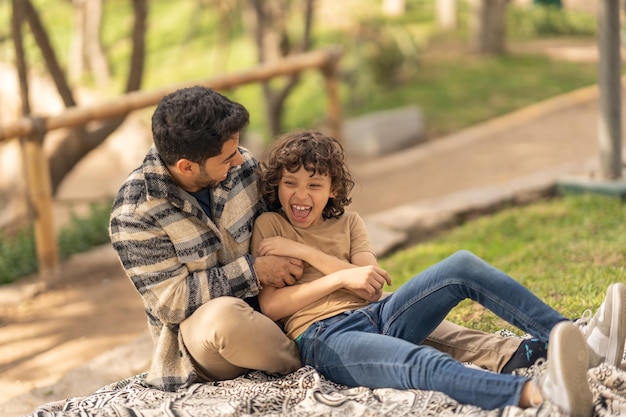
317 153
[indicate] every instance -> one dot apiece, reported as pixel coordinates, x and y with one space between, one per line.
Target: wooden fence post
40 190
332 93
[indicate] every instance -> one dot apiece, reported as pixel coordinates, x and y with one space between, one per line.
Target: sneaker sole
567 350
617 335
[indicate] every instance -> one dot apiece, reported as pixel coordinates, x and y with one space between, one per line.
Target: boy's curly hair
317 153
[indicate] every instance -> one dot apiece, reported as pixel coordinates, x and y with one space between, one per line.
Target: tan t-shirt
343 238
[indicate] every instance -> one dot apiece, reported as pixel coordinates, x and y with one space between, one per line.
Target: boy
353 336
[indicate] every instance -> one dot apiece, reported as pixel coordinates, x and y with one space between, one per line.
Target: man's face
216 168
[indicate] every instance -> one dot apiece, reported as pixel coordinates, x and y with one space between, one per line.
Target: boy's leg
226 338
350 350
414 310
486 350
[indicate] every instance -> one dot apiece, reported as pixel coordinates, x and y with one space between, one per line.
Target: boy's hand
278 271
366 281
280 246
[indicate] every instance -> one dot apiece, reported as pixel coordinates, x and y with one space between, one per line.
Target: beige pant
226 338
486 350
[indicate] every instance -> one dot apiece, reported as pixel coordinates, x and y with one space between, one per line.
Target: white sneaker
606 331
565 383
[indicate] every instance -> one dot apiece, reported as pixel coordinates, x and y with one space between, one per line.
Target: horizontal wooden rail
324 59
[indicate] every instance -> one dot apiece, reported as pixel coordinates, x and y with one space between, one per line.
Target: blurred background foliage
388 61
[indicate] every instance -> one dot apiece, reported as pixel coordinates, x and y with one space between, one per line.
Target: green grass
18 256
462 90
566 250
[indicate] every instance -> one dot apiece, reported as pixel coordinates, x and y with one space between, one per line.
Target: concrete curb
412 223
399 226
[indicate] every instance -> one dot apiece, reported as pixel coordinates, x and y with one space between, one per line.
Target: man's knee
228 329
222 314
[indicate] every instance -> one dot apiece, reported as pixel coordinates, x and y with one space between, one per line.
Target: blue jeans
378 346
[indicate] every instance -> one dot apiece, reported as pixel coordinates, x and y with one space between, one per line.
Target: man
181 224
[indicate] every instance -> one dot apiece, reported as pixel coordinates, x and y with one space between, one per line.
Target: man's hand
278 271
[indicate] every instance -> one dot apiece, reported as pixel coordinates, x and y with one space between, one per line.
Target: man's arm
171 291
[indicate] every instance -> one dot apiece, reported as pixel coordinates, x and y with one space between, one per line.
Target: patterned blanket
305 393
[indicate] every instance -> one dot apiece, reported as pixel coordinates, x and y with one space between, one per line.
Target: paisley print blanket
306 393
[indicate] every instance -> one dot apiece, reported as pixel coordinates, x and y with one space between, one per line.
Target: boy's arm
367 282
326 264
278 303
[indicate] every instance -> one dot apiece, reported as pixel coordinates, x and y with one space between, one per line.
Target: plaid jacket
178 258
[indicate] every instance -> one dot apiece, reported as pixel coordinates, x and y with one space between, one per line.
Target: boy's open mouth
300 213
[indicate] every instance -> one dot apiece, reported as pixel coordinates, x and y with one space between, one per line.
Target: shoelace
584 321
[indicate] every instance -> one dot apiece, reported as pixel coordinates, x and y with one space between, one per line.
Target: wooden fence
34 128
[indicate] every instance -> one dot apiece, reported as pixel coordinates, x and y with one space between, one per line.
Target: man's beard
204 180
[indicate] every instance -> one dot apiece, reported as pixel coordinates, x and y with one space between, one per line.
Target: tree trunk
80 141
273 42
487 26
43 41
137 59
87 51
446 14
19 191
17 19
221 48
76 66
93 43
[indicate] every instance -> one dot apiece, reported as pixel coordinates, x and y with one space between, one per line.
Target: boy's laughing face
303 196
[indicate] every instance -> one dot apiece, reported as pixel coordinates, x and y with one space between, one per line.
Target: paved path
559 132
518 156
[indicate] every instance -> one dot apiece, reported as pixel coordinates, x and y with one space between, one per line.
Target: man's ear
185 167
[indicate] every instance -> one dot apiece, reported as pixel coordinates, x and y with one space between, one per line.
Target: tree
487 26
87 50
79 141
446 14
269 21
228 13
